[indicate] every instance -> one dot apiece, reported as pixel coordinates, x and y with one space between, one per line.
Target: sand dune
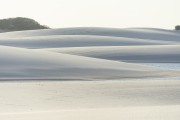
79 73
57 41
154 34
156 53
25 63
18 61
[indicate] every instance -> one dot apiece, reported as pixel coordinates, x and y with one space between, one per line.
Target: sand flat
68 100
131 113
54 95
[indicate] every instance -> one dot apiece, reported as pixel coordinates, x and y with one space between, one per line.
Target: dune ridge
97 31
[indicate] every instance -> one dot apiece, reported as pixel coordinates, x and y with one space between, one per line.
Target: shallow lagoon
167 66
170 66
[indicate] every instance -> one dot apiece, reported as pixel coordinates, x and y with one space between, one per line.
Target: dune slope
18 61
156 53
154 34
24 63
58 41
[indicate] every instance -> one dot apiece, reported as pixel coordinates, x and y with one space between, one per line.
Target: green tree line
20 23
177 27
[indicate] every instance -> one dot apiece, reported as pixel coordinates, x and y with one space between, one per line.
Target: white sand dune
58 41
78 74
20 62
153 53
25 63
154 34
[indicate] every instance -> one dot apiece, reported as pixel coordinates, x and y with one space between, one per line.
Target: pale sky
95 13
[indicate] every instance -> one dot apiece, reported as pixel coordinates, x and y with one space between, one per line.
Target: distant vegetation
177 27
20 23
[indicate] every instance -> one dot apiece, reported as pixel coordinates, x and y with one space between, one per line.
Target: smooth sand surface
135 113
62 41
104 100
40 64
79 74
142 33
22 58
149 53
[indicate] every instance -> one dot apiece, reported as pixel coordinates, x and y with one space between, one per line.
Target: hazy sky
99 13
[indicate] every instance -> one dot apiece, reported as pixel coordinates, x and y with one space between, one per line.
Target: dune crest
153 34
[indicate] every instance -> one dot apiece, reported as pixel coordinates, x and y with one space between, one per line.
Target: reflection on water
168 66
